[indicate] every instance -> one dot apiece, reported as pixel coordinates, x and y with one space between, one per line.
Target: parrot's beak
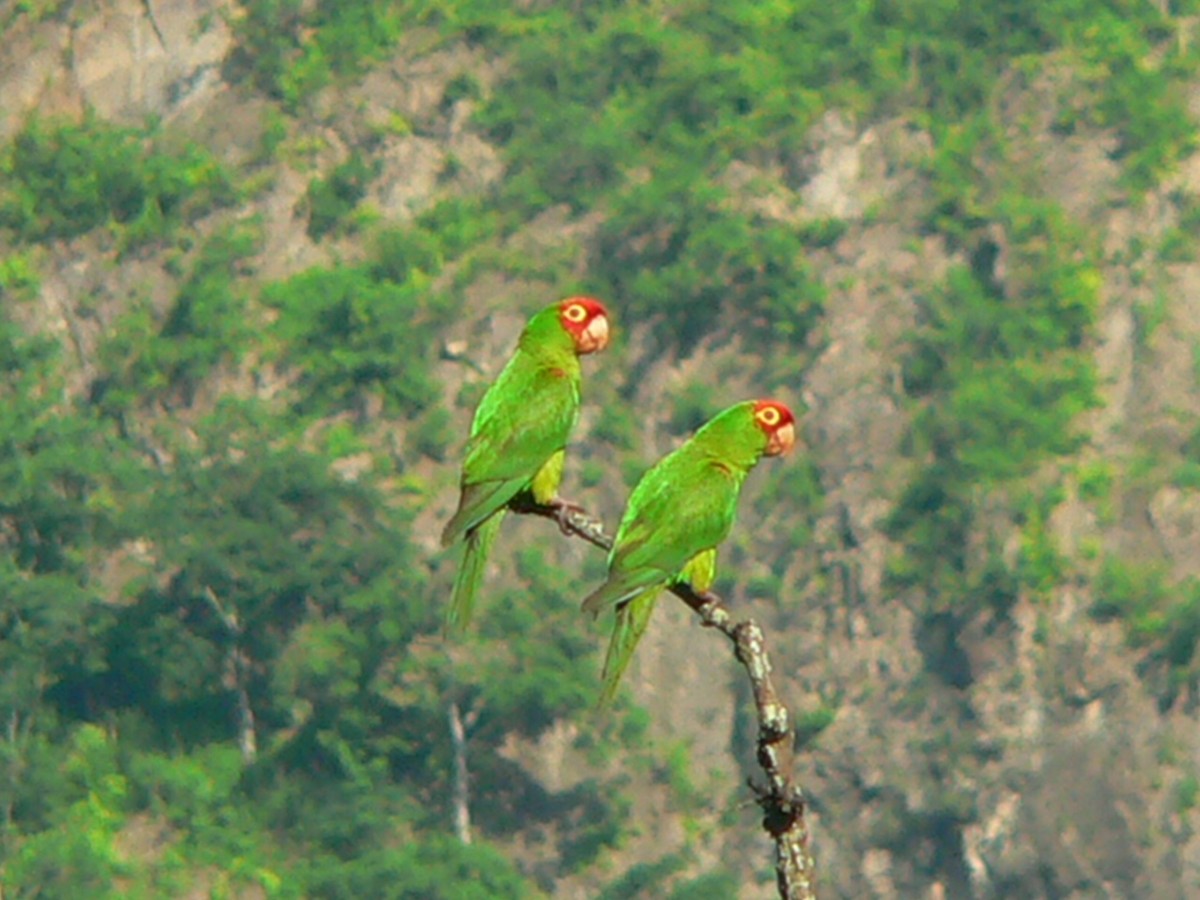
782 440
595 336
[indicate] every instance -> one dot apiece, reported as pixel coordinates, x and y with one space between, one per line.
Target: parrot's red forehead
771 414
590 305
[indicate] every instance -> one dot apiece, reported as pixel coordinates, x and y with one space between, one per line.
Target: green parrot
677 515
519 434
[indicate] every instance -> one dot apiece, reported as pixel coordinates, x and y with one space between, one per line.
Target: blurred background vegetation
182 543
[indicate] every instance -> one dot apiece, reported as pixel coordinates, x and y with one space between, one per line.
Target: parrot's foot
563 509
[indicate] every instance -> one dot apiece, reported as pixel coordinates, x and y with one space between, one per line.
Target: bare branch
781 799
460 796
228 617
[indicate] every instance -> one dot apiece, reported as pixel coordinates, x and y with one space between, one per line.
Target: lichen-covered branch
781 799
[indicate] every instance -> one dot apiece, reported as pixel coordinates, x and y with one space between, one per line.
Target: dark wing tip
590 604
611 593
451 532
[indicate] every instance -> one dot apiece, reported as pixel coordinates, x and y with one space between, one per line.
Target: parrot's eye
575 313
769 416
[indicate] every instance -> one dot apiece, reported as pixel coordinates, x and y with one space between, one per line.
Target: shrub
348 331
330 200
147 360
66 178
291 49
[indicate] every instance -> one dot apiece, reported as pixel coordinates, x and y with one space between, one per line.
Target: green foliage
194 791
1187 476
351 330
401 253
64 178
34 10
679 257
711 886
548 671
433 434
1040 564
1134 593
64 481
1000 373
58 469
273 540
618 425
268 46
644 879
435 869
457 225
1095 480
997 586
18 277
603 815
599 91
812 722
1007 366
148 359
694 405
1187 793
77 855
291 49
1140 92
679 776
650 879
1156 614
330 200
463 86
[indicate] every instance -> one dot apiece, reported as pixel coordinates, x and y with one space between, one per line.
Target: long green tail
632 619
470 572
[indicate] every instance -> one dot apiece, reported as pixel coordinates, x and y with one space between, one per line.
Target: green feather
470 571
544 486
631 621
701 571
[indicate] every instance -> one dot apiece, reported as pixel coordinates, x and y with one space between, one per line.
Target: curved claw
563 509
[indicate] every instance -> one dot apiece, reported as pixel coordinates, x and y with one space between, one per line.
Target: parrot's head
778 424
586 320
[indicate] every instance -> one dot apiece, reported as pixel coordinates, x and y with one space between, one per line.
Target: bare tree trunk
459 796
247 735
14 728
236 667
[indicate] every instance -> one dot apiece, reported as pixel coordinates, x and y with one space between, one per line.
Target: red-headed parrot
677 515
519 434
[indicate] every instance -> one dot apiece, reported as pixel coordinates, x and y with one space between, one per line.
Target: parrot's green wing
621 586
524 419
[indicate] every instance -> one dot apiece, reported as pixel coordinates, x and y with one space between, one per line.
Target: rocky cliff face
1030 754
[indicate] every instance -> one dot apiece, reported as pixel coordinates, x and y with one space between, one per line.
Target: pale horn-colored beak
782 440
594 336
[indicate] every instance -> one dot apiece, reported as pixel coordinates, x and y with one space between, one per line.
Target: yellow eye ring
575 313
769 416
